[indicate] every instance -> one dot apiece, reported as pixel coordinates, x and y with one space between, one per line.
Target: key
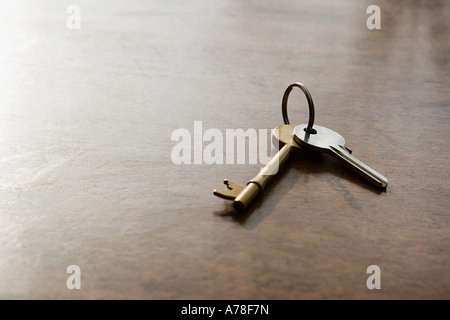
322 139
243 196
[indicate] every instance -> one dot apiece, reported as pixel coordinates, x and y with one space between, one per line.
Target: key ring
288 90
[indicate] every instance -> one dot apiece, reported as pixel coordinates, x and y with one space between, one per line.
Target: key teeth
345 148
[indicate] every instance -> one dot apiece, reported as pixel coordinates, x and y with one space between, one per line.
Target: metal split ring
288 90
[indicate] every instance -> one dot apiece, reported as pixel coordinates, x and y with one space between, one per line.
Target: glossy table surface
87 175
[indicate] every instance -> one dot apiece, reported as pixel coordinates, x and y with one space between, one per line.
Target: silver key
322 139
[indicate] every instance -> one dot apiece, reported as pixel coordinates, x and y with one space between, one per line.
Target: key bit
231 192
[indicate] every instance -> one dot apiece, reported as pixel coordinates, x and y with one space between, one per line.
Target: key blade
231 192
364 170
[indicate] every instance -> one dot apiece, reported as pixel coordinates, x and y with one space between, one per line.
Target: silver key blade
329 141
367 172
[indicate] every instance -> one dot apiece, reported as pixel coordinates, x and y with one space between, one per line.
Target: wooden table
87 178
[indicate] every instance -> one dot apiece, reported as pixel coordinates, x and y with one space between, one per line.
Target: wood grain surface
87 178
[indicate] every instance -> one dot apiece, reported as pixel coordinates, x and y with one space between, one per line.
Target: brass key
243 196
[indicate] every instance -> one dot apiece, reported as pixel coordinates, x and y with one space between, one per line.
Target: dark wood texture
86 176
